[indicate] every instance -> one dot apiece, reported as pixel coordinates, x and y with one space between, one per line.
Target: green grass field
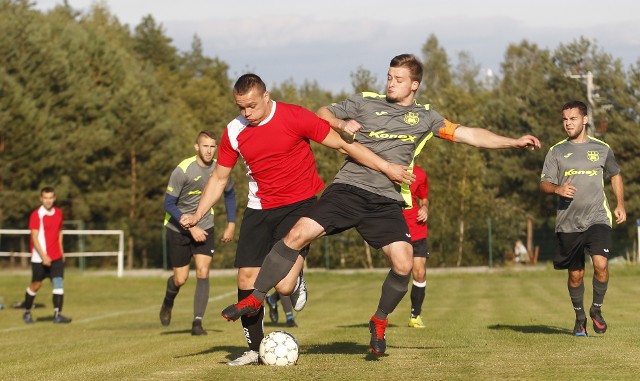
500 325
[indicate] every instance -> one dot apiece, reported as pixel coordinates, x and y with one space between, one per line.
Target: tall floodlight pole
590 98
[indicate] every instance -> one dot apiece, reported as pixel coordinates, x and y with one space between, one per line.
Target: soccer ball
279 348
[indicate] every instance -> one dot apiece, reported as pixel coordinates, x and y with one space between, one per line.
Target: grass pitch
500 325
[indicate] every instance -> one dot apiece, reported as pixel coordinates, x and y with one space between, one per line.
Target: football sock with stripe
394 288
172 292
252 325
201 297
599 290
275 267
577 299
417 297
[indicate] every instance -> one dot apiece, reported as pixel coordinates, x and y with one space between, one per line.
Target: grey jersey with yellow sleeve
394 132
187 182
586 165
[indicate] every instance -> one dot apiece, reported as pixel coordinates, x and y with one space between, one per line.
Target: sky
326 41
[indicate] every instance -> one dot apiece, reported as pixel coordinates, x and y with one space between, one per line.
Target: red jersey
48 223
277 153
419 190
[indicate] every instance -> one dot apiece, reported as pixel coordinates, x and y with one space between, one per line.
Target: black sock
57 303
599 290
394 288
577 299
172 292
275 267
201 297
252 325
417 298
28 299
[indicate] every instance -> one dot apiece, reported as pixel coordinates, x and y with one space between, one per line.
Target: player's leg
57 279
179 246
575 284
272 302
394 288
418 289
599 246
282 258
570 256
201 296
287 307
251 323
37 275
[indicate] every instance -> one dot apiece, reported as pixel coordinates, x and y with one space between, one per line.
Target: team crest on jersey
411 118
593 155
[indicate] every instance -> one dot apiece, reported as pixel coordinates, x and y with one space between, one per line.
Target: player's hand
46 261
423 214
198 234
621 214
399 174
229 231
528 141
350 127
187 221
566 190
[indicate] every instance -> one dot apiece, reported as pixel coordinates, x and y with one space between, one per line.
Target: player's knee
58 283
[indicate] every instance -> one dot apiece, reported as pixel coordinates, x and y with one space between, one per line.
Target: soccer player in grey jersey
395 127
183 194
575 169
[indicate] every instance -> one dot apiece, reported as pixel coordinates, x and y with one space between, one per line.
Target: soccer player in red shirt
47 255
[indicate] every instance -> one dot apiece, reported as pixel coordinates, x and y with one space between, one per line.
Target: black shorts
182 247
572 247
378 219
262 228
420 248
39 271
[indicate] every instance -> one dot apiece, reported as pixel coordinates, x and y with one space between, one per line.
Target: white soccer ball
279 348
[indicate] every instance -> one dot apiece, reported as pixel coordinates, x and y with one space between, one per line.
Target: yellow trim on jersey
598 140
371 94
558 143
404 188
184 164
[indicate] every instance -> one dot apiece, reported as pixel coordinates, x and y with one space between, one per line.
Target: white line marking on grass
115 314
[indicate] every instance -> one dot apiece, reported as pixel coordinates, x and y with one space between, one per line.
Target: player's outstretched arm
482 138
211 194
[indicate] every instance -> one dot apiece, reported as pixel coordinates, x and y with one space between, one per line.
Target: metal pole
490 245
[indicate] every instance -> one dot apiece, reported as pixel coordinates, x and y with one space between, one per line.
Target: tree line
103 112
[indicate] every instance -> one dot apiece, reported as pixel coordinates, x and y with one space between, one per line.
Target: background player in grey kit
183 194
574 169
395 127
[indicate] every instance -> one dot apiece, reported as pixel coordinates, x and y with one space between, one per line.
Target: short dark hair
207 133
576 104
411 62
247 82
46 190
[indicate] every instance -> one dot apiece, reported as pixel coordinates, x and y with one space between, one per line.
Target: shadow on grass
186 331
544 329
232 352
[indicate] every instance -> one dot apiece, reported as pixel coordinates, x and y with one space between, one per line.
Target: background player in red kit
416 217
273 139
47 255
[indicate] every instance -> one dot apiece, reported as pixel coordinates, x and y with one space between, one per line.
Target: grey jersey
394 132
586 164
187 182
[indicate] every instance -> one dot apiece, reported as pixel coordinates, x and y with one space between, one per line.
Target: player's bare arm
210 196
482 138
348 127
618 191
